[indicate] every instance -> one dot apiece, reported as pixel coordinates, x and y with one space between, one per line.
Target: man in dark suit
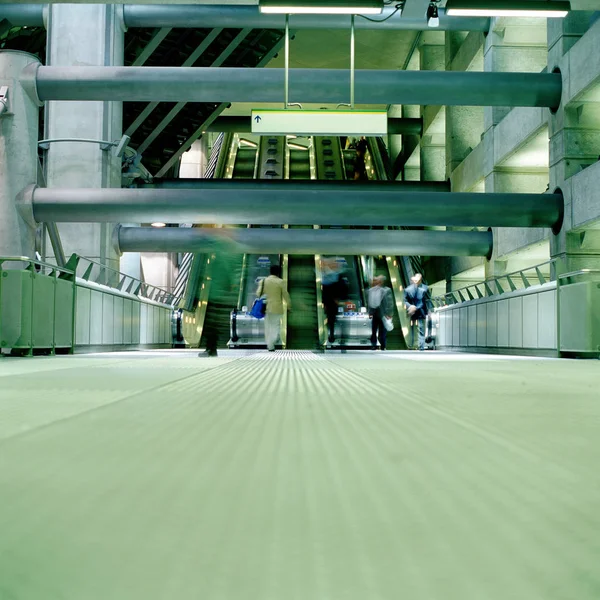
416 307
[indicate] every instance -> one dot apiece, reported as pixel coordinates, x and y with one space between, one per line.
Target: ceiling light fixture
321 7
508 8
433 18
158 224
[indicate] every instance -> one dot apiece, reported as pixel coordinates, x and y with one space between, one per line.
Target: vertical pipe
18 157
352 62
287 59
55 241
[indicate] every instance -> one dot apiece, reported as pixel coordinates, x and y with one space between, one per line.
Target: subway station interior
158 160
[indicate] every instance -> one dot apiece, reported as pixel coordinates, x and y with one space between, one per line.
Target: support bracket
4 103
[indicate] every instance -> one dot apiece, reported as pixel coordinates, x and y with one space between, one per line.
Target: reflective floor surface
297 476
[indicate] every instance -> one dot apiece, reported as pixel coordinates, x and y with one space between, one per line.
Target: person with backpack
273 288
381 306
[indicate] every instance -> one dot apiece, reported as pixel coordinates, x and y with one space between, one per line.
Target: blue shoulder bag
259 308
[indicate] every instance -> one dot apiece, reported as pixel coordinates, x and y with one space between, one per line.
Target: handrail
576 273
33 261
128 283
451 297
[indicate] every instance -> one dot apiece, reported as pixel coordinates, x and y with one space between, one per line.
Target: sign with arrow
319 122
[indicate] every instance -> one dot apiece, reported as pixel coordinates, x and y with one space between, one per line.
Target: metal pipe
250 16
298 203
287 61
56 242
195 184
308 241
23 15
197 84
401 126
239 17
352 62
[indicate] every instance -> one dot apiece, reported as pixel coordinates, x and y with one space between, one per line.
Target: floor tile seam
485 430
477 430
53 369
111 404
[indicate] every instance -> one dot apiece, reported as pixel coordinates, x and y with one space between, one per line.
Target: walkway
295 476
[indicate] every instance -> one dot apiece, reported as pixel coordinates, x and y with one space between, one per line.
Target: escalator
268 162
277 158
395 338
302 326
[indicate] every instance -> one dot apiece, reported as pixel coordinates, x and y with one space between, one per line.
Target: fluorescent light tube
507 8
326 7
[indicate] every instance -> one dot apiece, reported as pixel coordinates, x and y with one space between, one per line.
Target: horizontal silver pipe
307 241
396 126
155 15
197 84
23 15
241 17
197 184
297 203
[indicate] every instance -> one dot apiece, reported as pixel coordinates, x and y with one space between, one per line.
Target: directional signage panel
319 122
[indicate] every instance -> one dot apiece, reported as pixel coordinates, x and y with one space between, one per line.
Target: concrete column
513 45
574 144
464 124
18 154
395 141
90 35
433 140
575 130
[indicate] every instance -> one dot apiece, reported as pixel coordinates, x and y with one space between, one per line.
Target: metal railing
510 282
95 272
34 331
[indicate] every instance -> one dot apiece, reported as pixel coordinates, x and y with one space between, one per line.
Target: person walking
415 302
360 168
225 268
381 306
335 290
274 289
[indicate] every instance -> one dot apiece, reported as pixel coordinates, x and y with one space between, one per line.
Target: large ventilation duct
298 203
307 241
241 17
196 84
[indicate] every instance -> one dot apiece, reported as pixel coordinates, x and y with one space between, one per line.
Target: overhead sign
319 122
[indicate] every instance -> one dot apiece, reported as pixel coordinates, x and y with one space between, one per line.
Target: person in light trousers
273 288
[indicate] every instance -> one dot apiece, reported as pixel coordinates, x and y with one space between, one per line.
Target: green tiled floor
294 476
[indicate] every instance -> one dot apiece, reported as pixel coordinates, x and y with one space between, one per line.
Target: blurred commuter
381 306
335 291
273 287
225 267
415 302
360 168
